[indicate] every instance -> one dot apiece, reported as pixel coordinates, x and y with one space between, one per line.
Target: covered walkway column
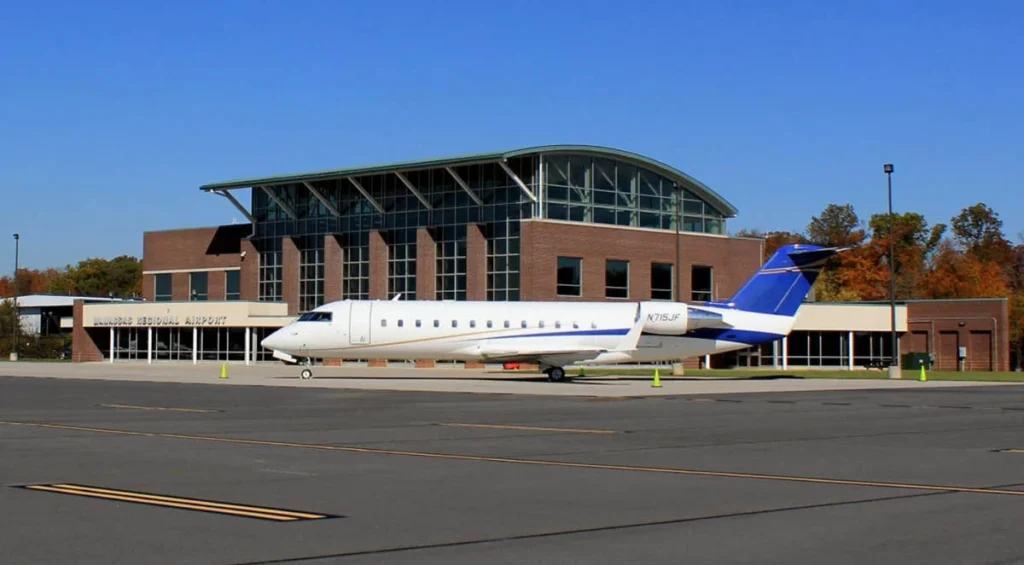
149 344
248 339
112 335
195 345
850 349
785 353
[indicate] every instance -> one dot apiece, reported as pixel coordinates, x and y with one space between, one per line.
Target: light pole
894 363
17 319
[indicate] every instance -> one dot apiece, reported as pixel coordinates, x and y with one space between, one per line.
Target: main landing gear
555 374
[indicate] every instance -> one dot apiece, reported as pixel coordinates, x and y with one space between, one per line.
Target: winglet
630 340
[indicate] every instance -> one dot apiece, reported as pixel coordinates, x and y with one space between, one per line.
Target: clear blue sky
112 114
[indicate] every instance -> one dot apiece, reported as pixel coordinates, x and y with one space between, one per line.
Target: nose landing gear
307 373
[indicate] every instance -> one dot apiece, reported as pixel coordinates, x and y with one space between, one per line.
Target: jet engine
673 318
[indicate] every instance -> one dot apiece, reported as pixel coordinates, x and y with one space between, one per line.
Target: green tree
838 226
979 231
120 276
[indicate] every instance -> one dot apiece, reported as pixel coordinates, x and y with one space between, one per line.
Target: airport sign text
186 321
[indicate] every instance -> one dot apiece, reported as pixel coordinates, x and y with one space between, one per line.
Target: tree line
120 276
970 257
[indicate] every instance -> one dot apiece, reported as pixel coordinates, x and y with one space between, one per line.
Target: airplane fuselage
481 331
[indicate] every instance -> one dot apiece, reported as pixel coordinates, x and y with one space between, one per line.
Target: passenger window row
490 324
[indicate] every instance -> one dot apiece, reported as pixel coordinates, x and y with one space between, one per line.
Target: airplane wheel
307 374
556 374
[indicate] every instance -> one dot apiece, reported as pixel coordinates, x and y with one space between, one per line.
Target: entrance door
359 322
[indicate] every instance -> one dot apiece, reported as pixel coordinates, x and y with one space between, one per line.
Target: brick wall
200 249
378 266
476 263
332 268
197 248
941 326
733 260
250 272
83 348
290 275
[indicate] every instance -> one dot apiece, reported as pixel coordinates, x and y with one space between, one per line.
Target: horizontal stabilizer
781 284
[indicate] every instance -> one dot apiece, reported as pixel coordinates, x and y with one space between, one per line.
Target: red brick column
476 263
332 268
148 287
290 275
216 281
426 265
180 283
378 266
83 348
250 272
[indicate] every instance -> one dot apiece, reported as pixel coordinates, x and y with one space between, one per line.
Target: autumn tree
962 275
1014 268
913 243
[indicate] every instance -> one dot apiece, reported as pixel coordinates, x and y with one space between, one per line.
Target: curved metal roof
684 180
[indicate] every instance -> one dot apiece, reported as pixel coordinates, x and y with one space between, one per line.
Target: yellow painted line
1011 451
530 428
131 406
193 501
549 463
126 498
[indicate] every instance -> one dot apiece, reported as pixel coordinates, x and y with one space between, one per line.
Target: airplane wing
553 357
566 355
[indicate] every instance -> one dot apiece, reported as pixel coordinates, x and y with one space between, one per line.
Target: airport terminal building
540 223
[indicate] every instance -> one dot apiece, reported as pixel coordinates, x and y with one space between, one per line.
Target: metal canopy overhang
683 180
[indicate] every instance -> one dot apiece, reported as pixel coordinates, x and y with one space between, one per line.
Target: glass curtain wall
496 202
598 190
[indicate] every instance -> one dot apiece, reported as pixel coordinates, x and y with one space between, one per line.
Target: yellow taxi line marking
125 498
550 463
530 428
1011 450
132 406
197 502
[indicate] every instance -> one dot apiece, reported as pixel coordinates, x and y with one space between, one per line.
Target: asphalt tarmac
110 472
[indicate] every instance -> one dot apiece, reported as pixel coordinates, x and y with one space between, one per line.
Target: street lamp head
16 237
888 168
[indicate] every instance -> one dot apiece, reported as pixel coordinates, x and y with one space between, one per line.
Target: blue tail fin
783 282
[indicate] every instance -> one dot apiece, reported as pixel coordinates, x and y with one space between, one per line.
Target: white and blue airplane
554 334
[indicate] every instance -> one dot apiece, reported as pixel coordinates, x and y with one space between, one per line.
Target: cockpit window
315 317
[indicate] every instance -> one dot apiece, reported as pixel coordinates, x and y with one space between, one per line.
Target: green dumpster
916 361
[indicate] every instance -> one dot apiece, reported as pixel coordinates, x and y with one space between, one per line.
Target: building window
198 285
355 266
616 279
451 263
581 188
270 270
162 287
570 276
233 285
661 281
311 273
402 263
502 260
701 283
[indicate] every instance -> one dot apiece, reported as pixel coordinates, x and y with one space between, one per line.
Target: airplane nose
272 341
